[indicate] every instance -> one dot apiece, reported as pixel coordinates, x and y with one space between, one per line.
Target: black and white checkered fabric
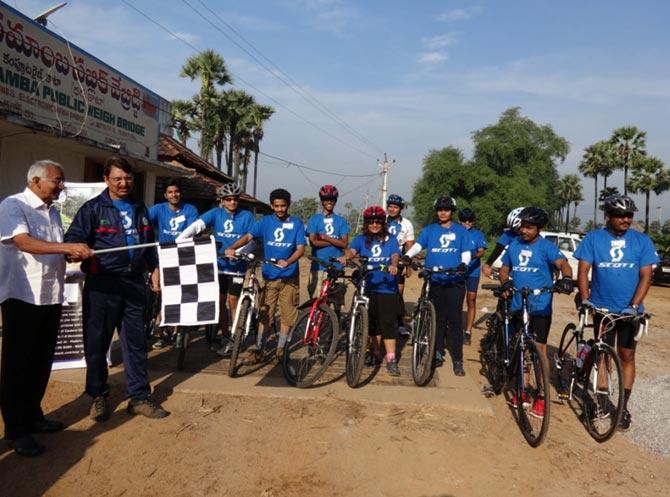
189 282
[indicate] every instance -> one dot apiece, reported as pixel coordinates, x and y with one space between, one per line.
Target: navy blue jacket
98 224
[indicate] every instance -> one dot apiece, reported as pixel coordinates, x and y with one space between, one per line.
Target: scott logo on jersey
445 242
616 255
524 260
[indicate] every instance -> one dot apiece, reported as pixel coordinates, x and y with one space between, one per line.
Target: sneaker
467 338
372 361
254 354
458 368
538 409
146 407
392 368
403 331
99 411
224 351
624 424
514 401
159 344
279 353
438 360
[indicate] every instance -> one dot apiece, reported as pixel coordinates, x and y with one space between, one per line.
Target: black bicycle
512 361
424 325
589 371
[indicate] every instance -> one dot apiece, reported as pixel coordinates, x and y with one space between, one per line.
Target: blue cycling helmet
395 200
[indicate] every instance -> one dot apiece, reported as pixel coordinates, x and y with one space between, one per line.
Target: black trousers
29 337
448 302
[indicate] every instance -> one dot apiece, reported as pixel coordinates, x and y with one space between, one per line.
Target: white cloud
432 57
440 41
459 14
190 38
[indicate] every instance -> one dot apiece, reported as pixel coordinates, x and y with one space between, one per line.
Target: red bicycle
312 341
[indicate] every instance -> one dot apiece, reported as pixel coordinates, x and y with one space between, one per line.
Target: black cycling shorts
623 333
383 315
230 284
539 325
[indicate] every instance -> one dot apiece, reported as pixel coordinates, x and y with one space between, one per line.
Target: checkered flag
189 282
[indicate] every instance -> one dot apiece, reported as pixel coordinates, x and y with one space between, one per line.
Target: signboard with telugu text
46 79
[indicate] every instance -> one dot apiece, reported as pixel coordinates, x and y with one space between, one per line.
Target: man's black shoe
47 426
458 368
624 424
467 338
26 446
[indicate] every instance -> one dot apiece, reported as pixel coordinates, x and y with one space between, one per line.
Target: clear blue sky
408 76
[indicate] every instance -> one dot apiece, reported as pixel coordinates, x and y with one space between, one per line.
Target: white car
567 243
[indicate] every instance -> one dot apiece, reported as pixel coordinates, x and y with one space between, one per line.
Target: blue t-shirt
168 223
507 237
333 226
615 265
444 247
127 213
227 228
531 266
479 242
378 253
394 227
280 239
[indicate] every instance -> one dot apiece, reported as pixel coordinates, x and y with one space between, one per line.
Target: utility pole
385 173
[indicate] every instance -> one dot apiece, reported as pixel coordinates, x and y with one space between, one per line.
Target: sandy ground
383 439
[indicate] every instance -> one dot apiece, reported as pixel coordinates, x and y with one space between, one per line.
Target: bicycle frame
326 287
251 292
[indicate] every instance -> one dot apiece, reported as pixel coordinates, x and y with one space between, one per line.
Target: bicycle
312 340
424 325
513 360
592 371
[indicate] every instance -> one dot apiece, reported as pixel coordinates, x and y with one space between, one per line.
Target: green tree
629 143
598 160
238 104
210 68
304 208
648 175
569 191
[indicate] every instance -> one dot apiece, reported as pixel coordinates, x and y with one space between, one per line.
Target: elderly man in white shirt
32 265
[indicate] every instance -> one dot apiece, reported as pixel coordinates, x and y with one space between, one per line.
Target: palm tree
259 114
629 143
238 104
647 175
182 119
210 68
598 160
570 191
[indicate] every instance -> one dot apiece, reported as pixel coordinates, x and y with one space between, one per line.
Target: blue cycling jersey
378 253
479 242
127 213
615 265
227 228
444 247
168 223
281 237
507 237
333 226
531 266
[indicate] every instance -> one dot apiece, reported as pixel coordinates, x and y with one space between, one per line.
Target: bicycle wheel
239 332
357 346
182 341
423 346
310 346
602 392
533 395
491 352
565 360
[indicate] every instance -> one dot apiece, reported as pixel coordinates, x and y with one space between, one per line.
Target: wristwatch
635 307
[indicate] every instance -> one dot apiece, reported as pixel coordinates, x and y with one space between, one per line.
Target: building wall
18 152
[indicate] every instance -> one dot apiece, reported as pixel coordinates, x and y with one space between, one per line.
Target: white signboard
45 79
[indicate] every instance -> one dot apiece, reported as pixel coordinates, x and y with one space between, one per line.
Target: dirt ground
258 446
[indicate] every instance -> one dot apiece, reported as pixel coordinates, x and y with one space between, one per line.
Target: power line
316 126
291 83
300 166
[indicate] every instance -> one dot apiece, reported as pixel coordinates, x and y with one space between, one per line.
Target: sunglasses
230 199
375 221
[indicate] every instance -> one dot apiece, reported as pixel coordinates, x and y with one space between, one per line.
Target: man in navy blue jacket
114 291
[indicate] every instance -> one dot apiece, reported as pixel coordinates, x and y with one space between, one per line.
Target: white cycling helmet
228 190
513 219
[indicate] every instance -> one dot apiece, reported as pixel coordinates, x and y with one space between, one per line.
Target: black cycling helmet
395 200
618 204
466 214
535 216
280 194
447 203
